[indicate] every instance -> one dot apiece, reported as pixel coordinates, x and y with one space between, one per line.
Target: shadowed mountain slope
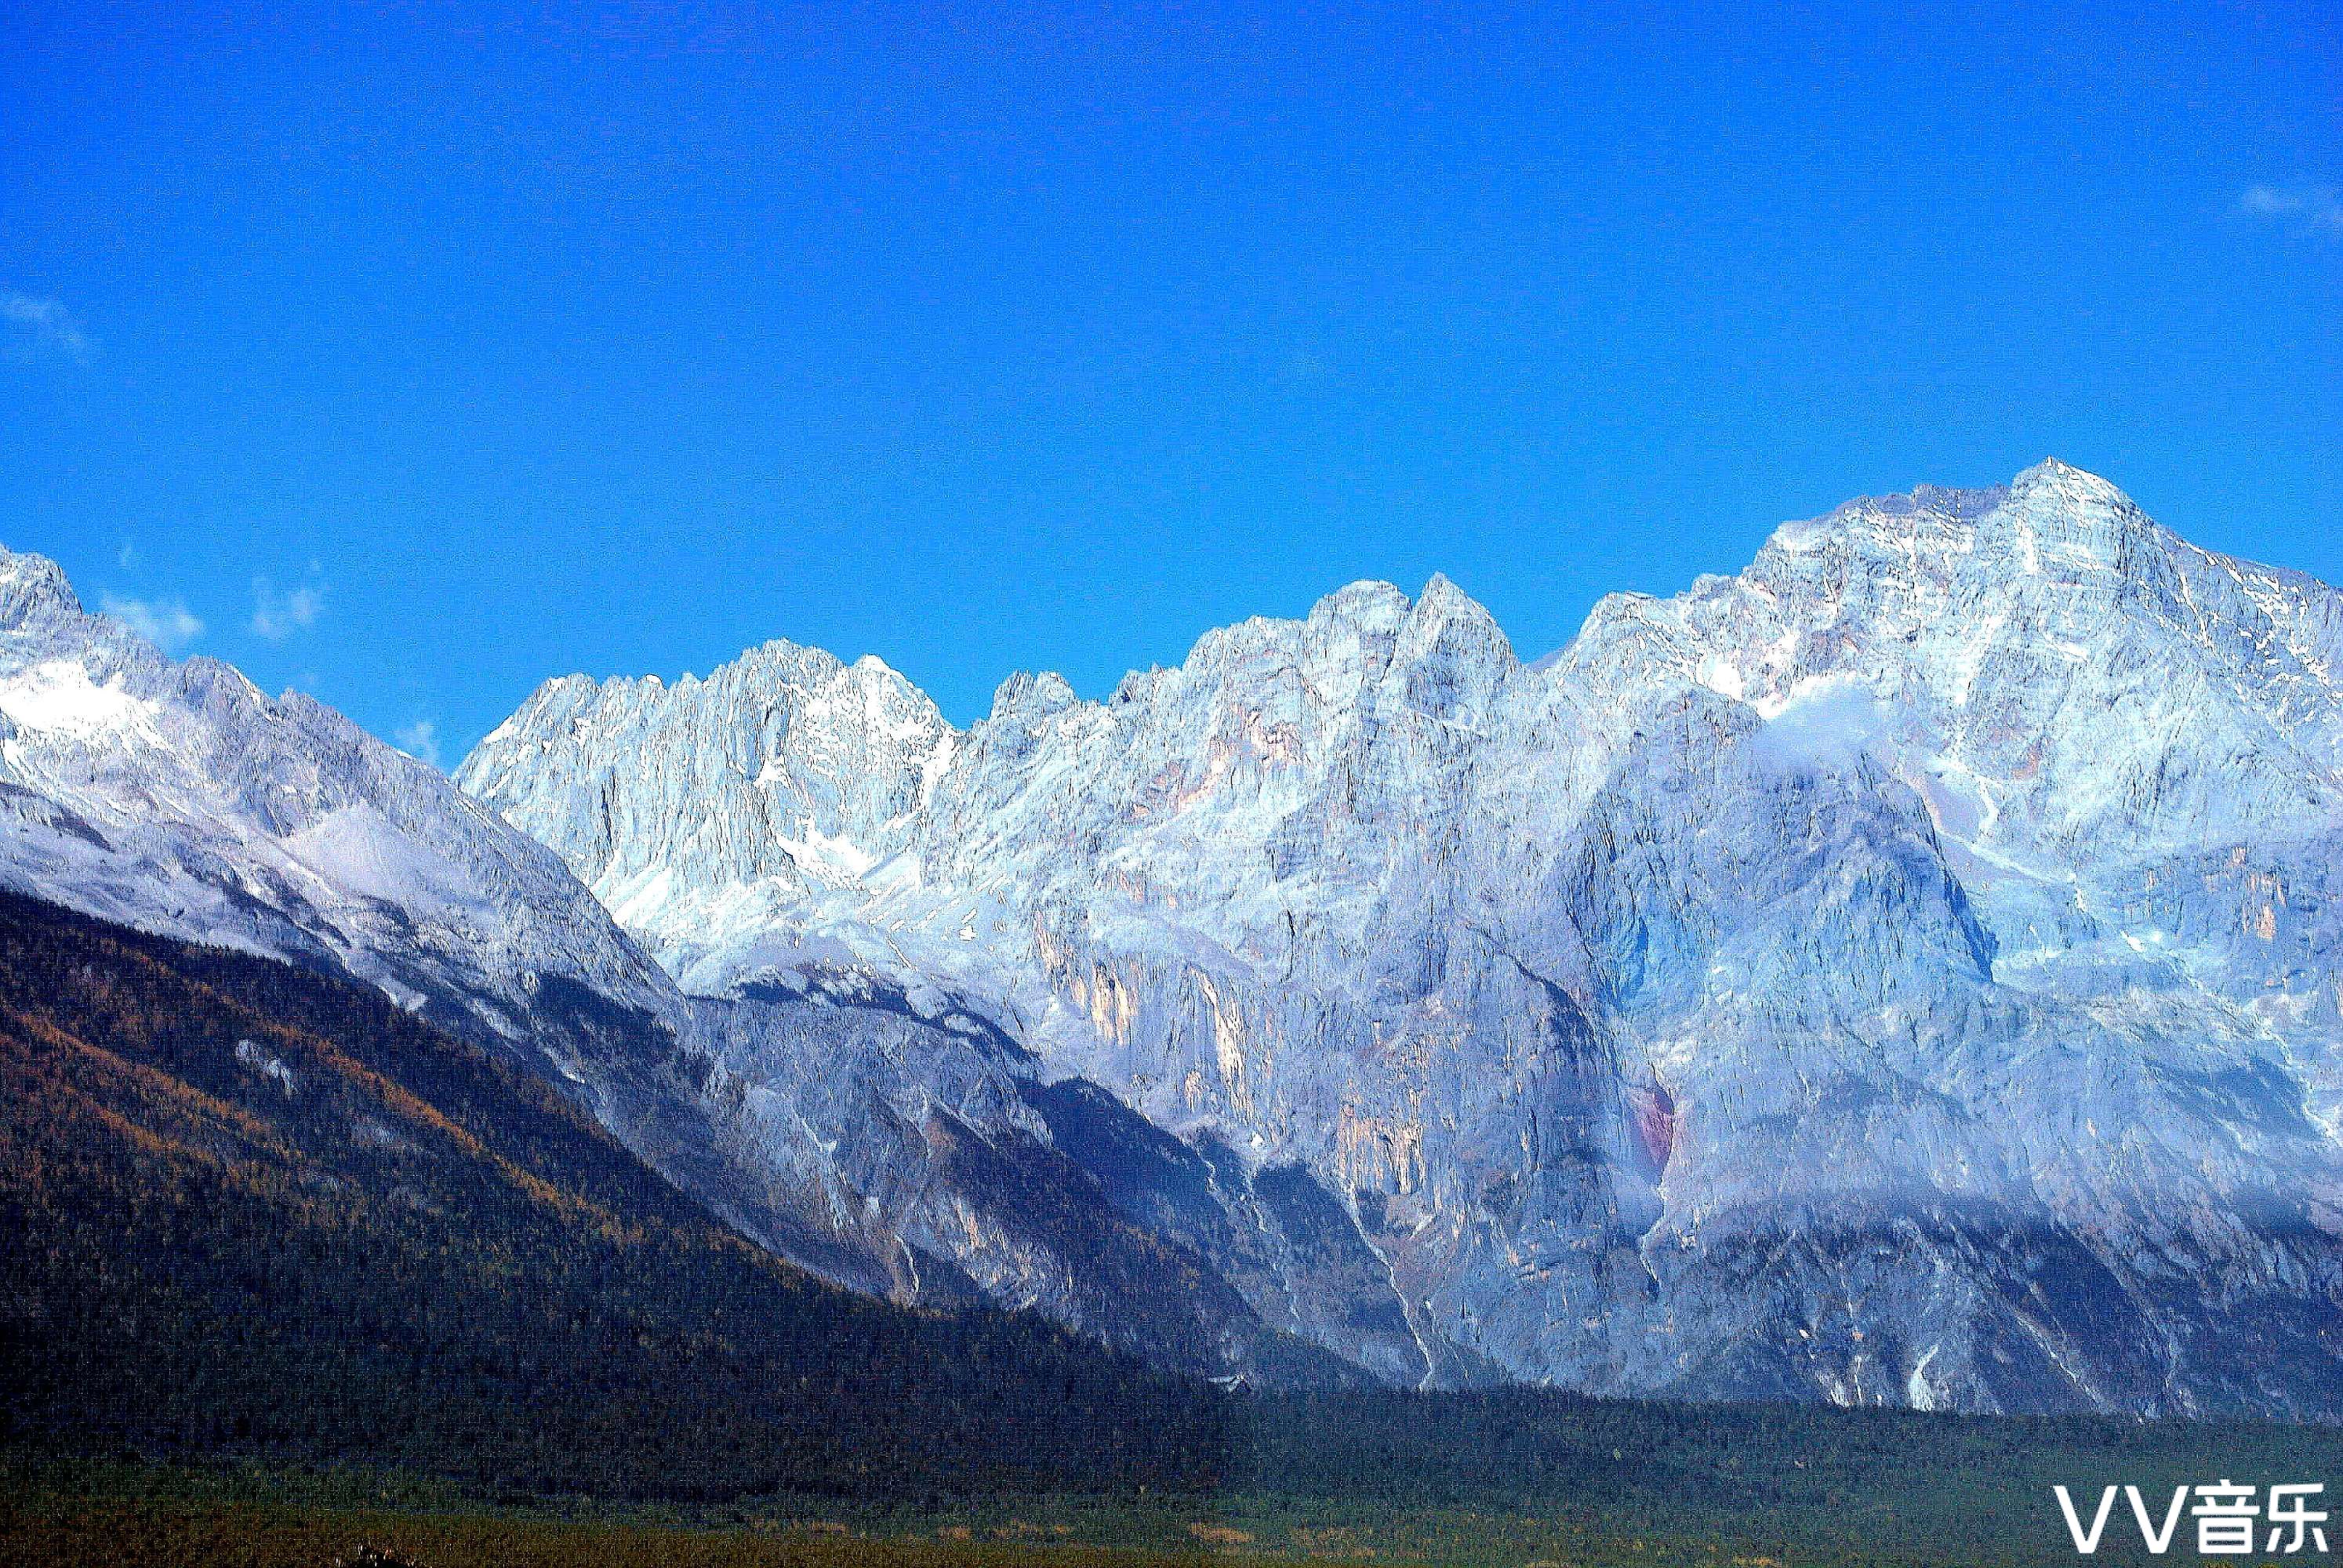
247 1207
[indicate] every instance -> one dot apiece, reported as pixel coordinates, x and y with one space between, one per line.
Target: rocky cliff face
876 1134
1904 972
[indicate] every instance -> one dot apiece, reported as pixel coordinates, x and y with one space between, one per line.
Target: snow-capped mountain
891 1141
1904 972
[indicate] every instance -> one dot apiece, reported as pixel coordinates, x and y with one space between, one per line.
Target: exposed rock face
880 1136
1906 971
792 761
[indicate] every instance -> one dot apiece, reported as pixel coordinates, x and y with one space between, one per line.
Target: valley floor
138 1534
78 1513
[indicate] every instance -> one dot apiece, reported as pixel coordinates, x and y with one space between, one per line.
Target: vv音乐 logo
2229 1519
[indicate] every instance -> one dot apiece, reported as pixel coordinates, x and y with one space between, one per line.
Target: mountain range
1904 972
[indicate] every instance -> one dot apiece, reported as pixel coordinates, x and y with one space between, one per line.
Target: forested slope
247 1207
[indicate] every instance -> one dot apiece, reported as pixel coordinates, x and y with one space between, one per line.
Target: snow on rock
835 1120
1961 876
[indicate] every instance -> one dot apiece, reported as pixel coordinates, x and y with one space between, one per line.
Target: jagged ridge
1902 972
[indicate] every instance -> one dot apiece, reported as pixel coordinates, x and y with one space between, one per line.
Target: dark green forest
249 1209
251 1215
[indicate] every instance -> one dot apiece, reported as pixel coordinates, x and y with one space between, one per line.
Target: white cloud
168 623
277 615
34 325
419 740
2320 206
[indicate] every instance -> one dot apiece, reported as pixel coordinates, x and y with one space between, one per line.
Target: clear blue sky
981 340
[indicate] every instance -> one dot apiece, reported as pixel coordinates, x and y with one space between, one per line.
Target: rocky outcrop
866 1131
1902 972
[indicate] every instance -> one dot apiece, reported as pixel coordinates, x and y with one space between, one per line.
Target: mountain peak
1025 695
1369 603
2051 478
1444 613
32 583
2055 468
1441 596
2062 519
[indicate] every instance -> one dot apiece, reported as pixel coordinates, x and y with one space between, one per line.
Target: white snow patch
254 1056
827 859
636 907
1916 1387
1825 720
356 850
59 697
1969 656
1723 676
1799 538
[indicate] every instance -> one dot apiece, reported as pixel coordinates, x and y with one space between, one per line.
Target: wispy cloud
168 623
2319 206
279 615
419 740
33 326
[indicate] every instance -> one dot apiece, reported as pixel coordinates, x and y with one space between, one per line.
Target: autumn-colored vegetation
257 1222
249 1209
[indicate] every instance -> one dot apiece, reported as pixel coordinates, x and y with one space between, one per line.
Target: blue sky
420 354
